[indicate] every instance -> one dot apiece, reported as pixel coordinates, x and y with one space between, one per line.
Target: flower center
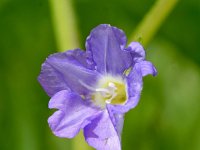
110 90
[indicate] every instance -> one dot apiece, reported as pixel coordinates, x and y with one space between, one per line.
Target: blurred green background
168 115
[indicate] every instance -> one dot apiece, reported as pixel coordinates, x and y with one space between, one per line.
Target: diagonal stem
152 21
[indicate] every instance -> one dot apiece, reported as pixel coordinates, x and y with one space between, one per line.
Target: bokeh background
168 115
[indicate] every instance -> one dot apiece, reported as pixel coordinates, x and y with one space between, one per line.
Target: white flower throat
110 90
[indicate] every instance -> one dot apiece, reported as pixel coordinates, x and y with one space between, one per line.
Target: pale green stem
64 23
67 38
79 143
152 21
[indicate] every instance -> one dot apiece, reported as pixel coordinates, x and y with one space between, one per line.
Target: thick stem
80 144
152 21
64 23
67 38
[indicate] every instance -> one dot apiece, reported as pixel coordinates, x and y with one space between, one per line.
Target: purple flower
92 89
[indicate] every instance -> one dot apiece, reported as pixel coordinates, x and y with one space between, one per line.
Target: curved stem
64 23
152 21
66 36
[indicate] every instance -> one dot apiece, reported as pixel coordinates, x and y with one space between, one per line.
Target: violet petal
137 51
117 119
105 46
101 134
135 85
73 114
64 71
147 68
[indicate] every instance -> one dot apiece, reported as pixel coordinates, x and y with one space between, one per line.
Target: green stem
152 21
79 143
64 23
67 38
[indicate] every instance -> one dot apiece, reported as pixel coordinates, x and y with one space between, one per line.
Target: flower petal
101 133
147 68
134 85
64 71
73 114
117 119
105 46
137 51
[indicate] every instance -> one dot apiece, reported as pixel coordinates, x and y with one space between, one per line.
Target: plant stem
67 38
152 21
64 23
79 143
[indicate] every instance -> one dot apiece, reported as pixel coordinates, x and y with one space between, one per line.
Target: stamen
110 84
103 91
86 86
109 92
